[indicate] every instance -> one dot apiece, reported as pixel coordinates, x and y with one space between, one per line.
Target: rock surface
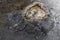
54 34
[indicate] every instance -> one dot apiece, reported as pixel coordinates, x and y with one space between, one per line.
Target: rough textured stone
6 34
